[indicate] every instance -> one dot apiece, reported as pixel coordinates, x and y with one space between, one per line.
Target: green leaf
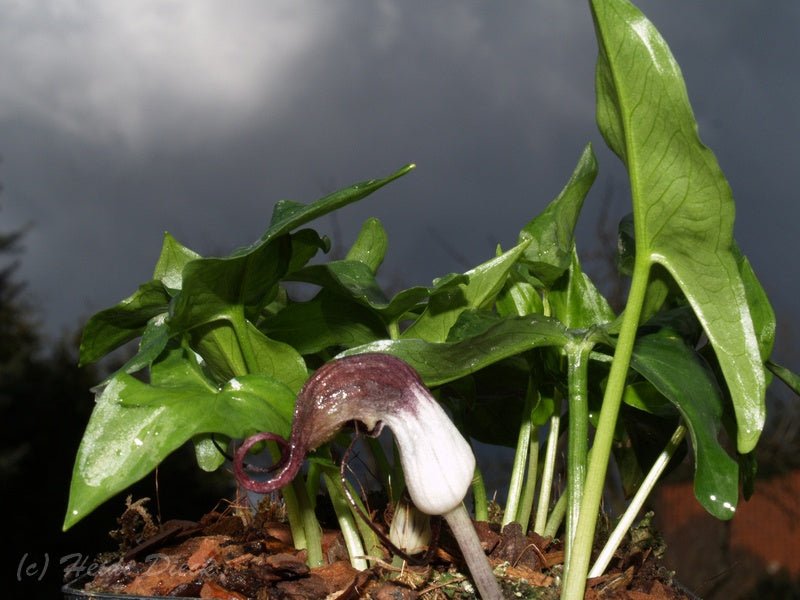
219 344
111 328
208 456
485 282
519 295
288 215
305 245
212 286
355 280
169 267
350 278
786 376
552 233
472 322
576 302
135 426
440 362
370 246
626 245
679 373
682 204
155 337
760 307
325 321
643 396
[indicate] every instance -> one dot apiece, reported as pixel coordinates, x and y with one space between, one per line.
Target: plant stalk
347 524
529 491
625 522
556 517
239 323
515 485
578 440
311 527
479 500
464 531
578 566
548 472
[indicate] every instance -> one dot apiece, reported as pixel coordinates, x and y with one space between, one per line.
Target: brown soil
237 556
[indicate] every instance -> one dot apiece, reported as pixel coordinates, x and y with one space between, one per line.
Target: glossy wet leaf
370 245
552 233
440 362
169 267
682 204
219 344
135 426
681 376
154 339
208 455
109 329
485 282
760 307
575 300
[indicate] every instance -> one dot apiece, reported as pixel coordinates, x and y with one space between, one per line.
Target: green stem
625 522
556 517
371 541
479 500
239 323
464 531
548 473
578 440
347 524
529 491
578 567
312 483
311 528
295 518
292 504
520 458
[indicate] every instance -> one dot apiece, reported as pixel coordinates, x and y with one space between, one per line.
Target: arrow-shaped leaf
682 204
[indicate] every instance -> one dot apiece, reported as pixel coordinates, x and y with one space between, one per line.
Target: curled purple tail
287 467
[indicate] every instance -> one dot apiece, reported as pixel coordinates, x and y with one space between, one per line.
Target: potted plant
522 350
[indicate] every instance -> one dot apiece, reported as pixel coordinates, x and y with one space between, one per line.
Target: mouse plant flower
377 390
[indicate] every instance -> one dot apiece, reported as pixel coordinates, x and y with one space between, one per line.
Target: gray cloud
121 120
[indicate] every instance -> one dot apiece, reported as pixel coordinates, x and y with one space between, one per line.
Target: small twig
430 588
536 550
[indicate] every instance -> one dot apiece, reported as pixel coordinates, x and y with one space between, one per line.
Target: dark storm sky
121 120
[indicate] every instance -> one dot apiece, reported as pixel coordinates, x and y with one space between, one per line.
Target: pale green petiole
625 522
548 473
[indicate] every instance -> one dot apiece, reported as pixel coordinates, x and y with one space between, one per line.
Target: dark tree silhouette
45 404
